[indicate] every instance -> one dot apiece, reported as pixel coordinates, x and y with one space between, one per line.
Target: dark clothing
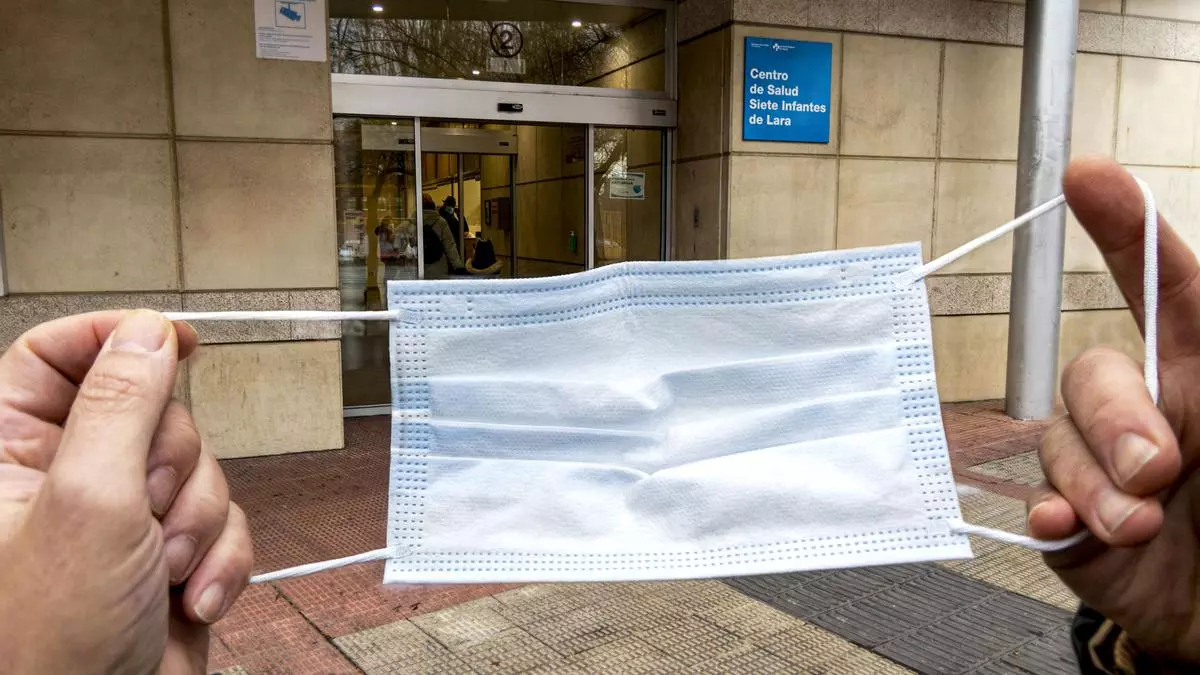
451 220
440 267
1103 648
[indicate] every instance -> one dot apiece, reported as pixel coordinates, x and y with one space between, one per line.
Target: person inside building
119 544
484 262
441 251
449 212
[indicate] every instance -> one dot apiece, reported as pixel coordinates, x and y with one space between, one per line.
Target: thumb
117 410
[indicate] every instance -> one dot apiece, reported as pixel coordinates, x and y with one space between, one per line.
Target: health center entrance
495 201
486 140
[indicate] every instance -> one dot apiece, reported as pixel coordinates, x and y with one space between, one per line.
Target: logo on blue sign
787 90
290 14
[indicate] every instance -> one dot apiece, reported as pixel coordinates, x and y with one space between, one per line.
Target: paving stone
746 618
692 595
976 635
747 659
513 651
896 574
530 604
904 607
691 640
399 647
628 655
861 661
804 645
1021 571
556 668
1024 468
990 510
821 594
465 625
998 668
574 632
1052 653
765 586
637 614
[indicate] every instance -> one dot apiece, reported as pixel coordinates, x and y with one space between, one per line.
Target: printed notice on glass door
291 30
786 91
628 185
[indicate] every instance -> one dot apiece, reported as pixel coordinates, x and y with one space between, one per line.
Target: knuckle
1056 436
108 390
1110 413
204 512
1059 454
1080 368
243 548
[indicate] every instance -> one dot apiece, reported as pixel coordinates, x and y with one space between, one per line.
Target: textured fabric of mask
668 420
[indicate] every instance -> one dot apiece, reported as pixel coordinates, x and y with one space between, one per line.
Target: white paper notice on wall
291 30
629 185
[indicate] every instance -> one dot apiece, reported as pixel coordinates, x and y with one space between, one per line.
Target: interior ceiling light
576 23
376 8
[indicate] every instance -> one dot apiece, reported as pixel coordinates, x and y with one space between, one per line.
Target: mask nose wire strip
1149 323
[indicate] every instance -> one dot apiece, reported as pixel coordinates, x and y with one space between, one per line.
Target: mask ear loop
1149 323
285 315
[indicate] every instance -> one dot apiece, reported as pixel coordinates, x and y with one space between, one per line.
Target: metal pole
1047 89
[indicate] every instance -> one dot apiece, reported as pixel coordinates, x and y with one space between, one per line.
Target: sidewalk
1001 612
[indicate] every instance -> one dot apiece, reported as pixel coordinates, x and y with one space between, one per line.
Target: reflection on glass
628 195
530 41
377 240
490 248
551 214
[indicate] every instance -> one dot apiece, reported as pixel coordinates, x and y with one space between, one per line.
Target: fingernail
211 603
1029 517
179 552
140 331
160 486
1133 452
1115 508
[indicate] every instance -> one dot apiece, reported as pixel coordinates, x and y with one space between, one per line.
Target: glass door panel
629 195
551 214
441 178
376 236
495 221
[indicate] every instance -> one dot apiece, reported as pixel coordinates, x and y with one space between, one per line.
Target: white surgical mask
671 420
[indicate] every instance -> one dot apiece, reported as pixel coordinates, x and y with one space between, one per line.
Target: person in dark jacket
457 225
440 248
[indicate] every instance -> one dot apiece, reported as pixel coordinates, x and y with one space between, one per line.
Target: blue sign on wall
786 91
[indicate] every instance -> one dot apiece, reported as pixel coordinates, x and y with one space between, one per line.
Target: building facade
149 158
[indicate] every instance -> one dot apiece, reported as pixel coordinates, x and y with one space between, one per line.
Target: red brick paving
314 506
308 507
